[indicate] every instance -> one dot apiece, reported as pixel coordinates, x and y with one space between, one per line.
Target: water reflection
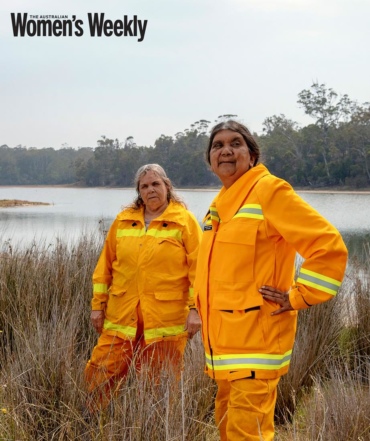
74 211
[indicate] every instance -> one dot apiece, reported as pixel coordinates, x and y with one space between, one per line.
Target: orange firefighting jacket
155 267
251 235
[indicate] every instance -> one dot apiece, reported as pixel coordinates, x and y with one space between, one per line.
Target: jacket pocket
235 248
168 296
117 306
168 261
170 241
169 307
117 292
237 296
238 234
122 286
238 327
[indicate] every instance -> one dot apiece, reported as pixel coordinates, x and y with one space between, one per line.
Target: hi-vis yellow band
253 211
214 214
100 288
207 223
171 331
131 232
250 210
174 234
318 281
149 334
128 331
248 361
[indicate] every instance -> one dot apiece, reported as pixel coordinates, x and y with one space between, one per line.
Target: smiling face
230 157
153 192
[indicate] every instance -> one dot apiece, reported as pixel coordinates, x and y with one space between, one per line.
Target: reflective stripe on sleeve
150 334
128 331
318 281
250 210
100 287
248 361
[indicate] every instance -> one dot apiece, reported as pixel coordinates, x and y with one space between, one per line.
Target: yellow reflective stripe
100 287
318 281
248 361
191 298
249 215
128 331
170 331
214 214
207 224
175 234
130 232
252 206
253 211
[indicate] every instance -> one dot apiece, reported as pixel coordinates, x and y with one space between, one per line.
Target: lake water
77 210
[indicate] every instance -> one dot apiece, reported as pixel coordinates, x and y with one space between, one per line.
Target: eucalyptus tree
328 109
359 128
282 149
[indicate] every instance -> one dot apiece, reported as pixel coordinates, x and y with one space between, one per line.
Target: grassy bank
46 339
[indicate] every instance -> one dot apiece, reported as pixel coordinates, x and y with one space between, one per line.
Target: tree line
332 151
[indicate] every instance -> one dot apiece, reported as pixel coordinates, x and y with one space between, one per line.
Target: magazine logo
62 26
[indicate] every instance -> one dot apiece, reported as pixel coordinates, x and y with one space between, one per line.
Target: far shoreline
13 203
204 189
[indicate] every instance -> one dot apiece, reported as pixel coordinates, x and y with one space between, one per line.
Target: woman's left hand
193 323
280 297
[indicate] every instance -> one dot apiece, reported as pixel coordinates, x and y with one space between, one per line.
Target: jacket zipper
213 367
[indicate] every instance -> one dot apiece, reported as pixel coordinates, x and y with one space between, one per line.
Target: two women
246 291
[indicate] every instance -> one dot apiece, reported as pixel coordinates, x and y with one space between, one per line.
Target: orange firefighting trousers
245 409
112 357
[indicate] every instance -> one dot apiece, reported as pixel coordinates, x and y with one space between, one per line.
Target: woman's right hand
277 296
97 320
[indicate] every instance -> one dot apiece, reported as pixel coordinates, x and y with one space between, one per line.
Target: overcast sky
199 59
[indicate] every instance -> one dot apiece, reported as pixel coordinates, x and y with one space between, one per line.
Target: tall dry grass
46 339
326 394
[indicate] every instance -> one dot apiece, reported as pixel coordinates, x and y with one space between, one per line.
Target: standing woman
246 293
143 302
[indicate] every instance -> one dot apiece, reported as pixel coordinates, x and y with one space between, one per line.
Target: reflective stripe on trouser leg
250 409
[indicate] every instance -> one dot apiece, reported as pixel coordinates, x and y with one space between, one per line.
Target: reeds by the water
46 339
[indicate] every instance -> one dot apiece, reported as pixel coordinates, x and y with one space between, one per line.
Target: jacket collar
228 201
